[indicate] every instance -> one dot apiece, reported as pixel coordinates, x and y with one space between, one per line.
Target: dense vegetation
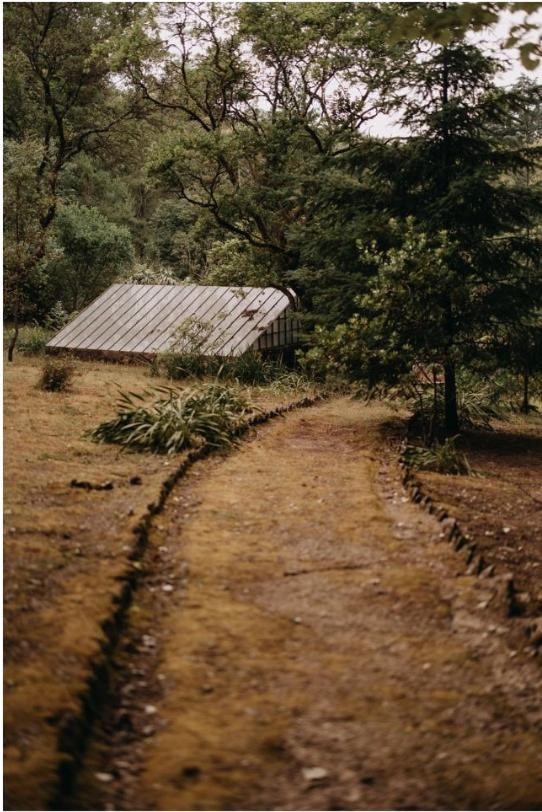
231 145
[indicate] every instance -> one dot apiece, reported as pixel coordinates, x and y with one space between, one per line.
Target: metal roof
145 319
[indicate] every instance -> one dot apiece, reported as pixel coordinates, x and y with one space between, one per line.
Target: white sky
492 38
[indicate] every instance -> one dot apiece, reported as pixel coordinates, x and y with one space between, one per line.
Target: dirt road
304 640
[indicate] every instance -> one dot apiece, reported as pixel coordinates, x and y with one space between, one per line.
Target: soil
501 507
303 639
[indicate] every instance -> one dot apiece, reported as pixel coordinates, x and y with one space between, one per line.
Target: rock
167 588
104 777
314 774
150 709
534 631
296 620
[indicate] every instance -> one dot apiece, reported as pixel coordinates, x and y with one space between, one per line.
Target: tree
465 261
23 238
93 252
69 101
265 96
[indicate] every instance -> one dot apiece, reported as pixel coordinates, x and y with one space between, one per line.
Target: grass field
65 547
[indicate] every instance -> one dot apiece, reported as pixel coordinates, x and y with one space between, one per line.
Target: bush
444 458
167 420
56 376
58 317
32 340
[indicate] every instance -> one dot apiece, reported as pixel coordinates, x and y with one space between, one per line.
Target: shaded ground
502 509
302 641
65 550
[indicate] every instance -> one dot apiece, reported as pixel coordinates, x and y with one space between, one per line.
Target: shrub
167 420
444 458
57 318
56 375
33 340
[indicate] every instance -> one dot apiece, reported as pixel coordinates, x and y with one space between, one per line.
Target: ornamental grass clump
165 420
444 458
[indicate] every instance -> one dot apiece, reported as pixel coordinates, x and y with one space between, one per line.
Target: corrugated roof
145 319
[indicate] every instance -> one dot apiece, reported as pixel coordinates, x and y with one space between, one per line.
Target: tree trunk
525 406
451 419
13 339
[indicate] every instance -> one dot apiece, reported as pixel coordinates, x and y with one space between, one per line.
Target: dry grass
65 548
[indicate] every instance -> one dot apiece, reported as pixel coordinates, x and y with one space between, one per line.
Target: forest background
233 144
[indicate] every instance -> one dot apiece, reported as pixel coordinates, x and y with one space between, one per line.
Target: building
130 320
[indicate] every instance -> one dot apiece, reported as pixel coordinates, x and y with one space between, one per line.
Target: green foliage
444 458
57 317
56 375
33 339
94 252
143 273
181 365
481 399
248 369
166 420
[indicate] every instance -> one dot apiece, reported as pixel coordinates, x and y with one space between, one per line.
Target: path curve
319 648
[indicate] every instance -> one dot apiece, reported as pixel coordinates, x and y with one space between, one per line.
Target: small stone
313 774
148 730
506 530
167 588
150 709
104 777
207 689
296 620
148 641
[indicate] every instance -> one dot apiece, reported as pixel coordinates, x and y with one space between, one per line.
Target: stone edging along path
75 731
463 544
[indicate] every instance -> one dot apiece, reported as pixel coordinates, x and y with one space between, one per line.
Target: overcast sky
492 39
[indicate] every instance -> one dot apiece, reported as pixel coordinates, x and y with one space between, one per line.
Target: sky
386 126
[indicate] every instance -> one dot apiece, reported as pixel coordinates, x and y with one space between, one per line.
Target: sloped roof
139 319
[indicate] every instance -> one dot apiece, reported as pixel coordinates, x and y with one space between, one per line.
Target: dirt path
305 642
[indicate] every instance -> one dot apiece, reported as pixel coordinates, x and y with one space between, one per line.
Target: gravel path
317 646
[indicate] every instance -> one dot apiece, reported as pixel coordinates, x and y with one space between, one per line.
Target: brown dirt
311 621
65 549
501 509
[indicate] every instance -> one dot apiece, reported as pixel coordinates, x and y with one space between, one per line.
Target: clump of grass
178 366
165 420
32 340
248 369
444 458
56 375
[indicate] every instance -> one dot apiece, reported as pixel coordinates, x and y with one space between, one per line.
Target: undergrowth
249 369
167 420
444 458
33 339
